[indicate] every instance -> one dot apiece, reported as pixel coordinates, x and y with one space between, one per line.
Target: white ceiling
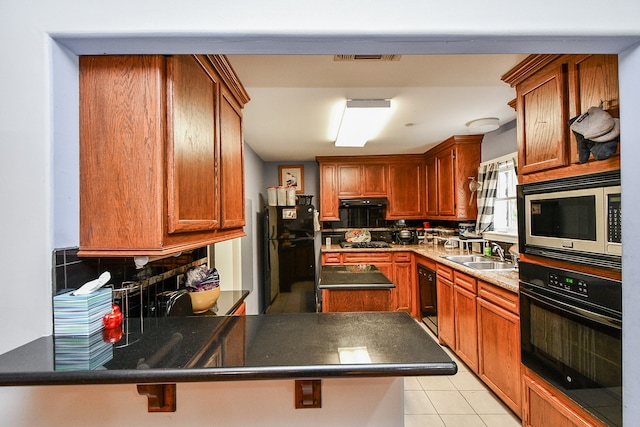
292 114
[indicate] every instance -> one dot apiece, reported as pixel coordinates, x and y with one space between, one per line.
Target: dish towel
316 221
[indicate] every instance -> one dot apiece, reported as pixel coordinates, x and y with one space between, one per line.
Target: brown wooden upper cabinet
551 89
448 167
161 158
362 180
406 189
329 201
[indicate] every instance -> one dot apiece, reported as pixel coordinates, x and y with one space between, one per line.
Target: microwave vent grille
604 179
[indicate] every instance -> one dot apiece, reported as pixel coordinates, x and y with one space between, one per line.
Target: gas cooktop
364 245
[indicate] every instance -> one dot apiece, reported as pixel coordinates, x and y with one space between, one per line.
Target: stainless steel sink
490 265
478 262
467 258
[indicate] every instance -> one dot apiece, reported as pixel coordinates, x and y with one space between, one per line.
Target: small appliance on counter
406 237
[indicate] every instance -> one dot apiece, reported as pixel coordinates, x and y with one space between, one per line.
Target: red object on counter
112 335
114 319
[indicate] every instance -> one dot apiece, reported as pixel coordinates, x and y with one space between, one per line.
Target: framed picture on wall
292 176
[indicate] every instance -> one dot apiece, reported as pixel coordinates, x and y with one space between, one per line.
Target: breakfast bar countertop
232 348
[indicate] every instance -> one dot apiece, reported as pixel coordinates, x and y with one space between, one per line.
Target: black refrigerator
289 239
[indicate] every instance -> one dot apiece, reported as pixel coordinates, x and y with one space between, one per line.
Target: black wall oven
571 335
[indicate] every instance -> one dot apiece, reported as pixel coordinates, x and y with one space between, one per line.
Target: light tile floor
301 299
461 400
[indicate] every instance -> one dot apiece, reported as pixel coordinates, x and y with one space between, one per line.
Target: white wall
252 245
630 158
372 402
29 107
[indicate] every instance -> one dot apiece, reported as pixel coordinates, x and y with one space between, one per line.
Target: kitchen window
497 203
505 215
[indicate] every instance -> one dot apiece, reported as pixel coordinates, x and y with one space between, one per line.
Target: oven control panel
568 283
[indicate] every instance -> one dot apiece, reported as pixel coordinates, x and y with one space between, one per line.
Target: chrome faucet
498 249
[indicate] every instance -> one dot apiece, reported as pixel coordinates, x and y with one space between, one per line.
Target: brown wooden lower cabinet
403 294
466 322
480 322
345 300
543 406
499 343
444 287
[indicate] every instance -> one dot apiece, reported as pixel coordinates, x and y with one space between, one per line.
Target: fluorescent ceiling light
362 120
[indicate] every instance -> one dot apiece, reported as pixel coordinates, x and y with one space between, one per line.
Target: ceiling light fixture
488 124
361 121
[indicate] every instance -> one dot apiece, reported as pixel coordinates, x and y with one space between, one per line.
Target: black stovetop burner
364 245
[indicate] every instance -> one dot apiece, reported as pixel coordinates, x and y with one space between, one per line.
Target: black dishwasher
428 297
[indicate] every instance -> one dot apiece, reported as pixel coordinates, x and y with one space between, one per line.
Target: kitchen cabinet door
231 161
499 343
329 201
192 179
374 180
431 173
542 120
403 279
349 180
446 313
407 191
466 326
446 182
544 406
362 180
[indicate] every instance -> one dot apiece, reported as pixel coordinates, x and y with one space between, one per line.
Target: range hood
366 201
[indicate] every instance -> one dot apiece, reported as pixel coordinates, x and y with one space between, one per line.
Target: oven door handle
596 317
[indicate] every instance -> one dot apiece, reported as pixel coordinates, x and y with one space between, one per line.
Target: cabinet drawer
366 258
331 258
402 257
429 263
444 271
499 296
464 281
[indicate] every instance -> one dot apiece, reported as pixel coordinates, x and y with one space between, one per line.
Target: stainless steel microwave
576 219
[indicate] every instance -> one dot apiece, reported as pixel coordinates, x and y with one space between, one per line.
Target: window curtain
488 179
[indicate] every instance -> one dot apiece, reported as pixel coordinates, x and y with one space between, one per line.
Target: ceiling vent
366 58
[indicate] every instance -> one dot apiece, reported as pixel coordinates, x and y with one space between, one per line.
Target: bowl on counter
201 301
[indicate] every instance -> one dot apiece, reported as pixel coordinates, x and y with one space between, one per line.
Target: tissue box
81 352
80 314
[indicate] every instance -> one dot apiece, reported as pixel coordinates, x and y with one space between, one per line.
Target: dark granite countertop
218 348
353 277
227 303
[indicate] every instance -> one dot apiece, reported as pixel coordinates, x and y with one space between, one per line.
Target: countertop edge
229 374
358 286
